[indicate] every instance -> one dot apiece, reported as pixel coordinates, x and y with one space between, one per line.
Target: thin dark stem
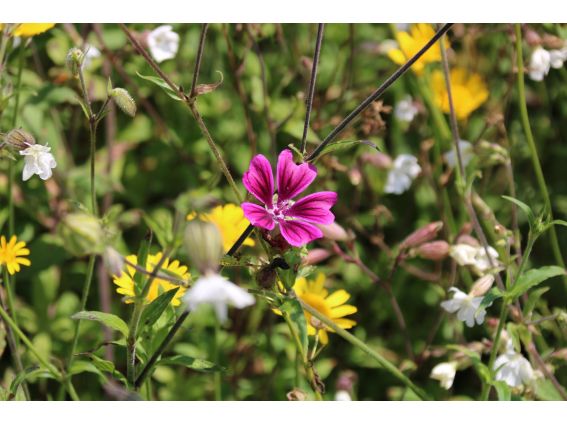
311 90
200 50
377 93
240 240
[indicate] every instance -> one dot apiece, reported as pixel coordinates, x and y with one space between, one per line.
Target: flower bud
74 60
436 250
467 240
378 159
124 101
315 256
334 231
82 234
296 395
532 38
113 261
422 235
482 286
203 243
19 139
266 277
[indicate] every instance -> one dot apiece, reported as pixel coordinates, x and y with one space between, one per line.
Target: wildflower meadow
283 212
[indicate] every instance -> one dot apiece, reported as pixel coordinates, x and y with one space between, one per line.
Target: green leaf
533 298
545 390
533 278
107 319
162 84
503 391
490 297
142 259
345 144
105 366
82 366
154 311
29 373
559 223
192 363
524 207
161 223
293 308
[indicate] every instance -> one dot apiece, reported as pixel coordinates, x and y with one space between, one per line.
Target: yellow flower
125 282
469 91
410 43
333 306
230 221
12 254
29 30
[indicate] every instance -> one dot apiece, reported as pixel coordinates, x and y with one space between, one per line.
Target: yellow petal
337 298
343 310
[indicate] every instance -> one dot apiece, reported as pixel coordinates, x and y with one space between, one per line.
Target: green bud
74 60
203 243
124 101
82 234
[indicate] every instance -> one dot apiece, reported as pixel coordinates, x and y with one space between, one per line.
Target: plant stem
216 356
198 59
311 90
533 149
361 345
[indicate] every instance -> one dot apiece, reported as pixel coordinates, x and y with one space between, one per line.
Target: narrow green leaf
162 84
295 311
524 207
490 297
192 363
533 278
545 391
107 319
559 222
105 366
142 258
154 311
345 144
29 373
503 391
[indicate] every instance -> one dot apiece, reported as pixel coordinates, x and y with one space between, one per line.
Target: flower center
279 208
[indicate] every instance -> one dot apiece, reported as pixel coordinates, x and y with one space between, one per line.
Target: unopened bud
316 323
266 277
296 395
82 234
346 380
334 232
124 101
422 235
74 60
113 261
532 38
482 286
436 250
467 240
378 159
203 243
315 256
19 139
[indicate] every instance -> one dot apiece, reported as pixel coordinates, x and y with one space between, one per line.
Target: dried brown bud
315 256
19 139
422 235
482 286
296 395
436 250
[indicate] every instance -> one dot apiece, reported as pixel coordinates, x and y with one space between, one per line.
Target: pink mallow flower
295 218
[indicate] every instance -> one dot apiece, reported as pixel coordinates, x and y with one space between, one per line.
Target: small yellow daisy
469 91
125 282
333 306
29 30
411 42
230 220
12 254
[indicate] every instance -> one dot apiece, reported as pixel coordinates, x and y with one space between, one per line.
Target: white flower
475 256
445 373
91 53
163 43
405 110
219 292
467 307
513 368
38 160
467 153
557 57
342 395
402 173
402 26
540 62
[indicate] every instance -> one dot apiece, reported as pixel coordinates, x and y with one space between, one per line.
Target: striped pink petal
299 233
292 179
259 179
258 215
314 208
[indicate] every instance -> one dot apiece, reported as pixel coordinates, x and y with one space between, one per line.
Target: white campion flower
466 306
540 62
445 373
219 292
163 43
467 153
404 170
513 368
38 160
91 53
342 395
557 57
406 110
474 256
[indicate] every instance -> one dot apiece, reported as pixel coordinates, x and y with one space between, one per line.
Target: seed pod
82 234
482 286
203 243
422 235
19 139
74 60
334 231
315 256
124 101
436 250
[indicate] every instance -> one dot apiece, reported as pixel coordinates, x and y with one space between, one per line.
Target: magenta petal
259 179
292 178
314 208
258 215
299 233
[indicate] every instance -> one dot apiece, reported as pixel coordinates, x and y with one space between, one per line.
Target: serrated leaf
490 297
107 319
154 311
162 84
533 278
345 144
207 88
192 363
293 308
